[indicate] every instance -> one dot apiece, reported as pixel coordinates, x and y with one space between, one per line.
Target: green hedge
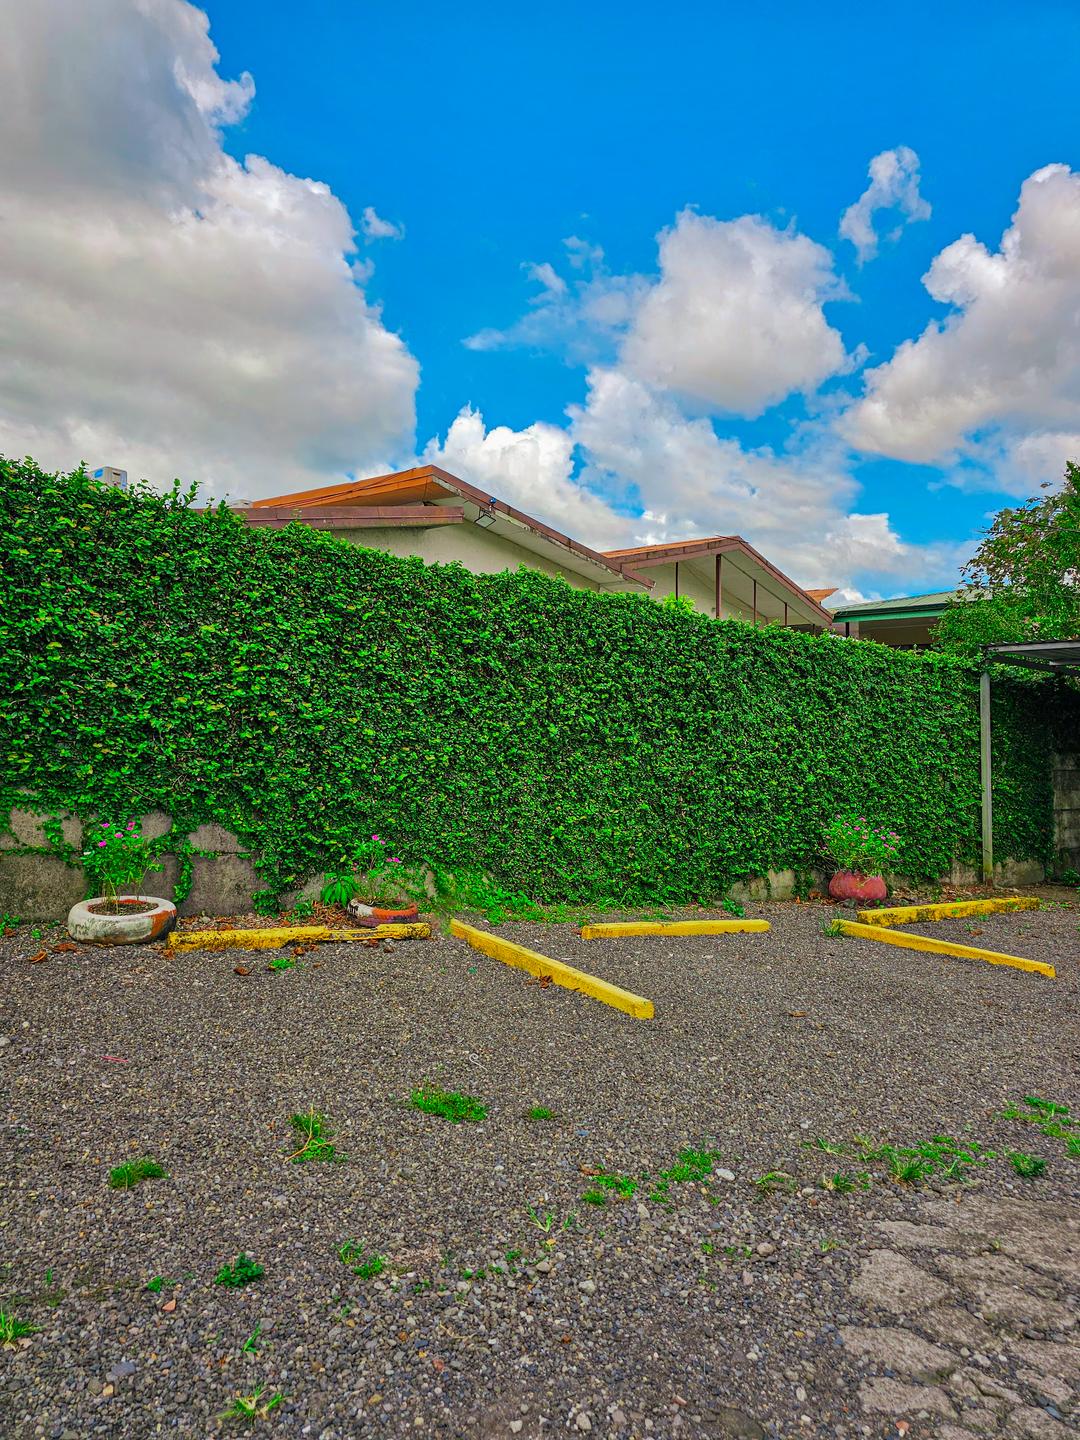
304 692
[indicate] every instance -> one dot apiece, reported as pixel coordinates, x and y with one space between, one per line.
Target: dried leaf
37 959
169 1306
241 969
65 947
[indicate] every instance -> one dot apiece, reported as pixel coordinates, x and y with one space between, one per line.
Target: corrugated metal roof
899 605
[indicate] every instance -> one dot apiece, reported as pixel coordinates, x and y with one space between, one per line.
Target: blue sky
489 135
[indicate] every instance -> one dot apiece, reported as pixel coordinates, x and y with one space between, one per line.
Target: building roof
901 607
822 595
428 487
1038 654
669 551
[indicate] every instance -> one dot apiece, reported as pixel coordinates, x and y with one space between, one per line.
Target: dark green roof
899 608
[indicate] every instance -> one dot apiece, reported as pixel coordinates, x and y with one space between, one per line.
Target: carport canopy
1057 656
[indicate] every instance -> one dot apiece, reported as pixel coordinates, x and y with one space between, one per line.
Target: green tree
1023 582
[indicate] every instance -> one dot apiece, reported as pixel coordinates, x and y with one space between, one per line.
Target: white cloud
582 318
650 474
894 185
997 383
376 228
735 322
162 306
530 469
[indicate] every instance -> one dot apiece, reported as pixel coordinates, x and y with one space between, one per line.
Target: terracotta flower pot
141 920
853 885
394 914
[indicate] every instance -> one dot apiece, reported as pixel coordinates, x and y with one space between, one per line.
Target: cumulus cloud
164 307
531 469
631 468
894 186
376 228
994 388
735 321
582 318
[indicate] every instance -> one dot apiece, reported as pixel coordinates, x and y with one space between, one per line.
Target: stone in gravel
121 1370
583 1422
724 1174
766 1249
1014 1309
515 1426
888 1280
1027 1423
956 1327
906 1236
587 1287
1048 1387
1048 1357
899 1350
737 1425
898 1399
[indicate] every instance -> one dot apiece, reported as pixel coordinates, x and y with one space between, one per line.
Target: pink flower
376 839
395 860
119 835
101 843
131 824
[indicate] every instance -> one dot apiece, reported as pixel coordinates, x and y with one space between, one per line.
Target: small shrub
733 907
450 1104
244 1272
126 1177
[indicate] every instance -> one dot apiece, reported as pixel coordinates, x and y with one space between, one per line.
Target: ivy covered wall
304 693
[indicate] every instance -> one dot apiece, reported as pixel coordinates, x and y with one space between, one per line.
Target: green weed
450 1104
244 1272
12 1328
8 922
304 908
594 1197
160 1282
733 907
366 1266
776 1180
313 1130
541 1112
126 1177
844 1182
832 929
1026 1166
251 1344
828 1147
252 1407
282 962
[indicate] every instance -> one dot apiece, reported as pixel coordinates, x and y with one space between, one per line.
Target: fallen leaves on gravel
37 959
65 947
169 1306
241 969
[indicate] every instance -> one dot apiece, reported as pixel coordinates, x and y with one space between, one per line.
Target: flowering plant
373 866
119 856
854 844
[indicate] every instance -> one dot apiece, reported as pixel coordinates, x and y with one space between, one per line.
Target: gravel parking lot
721 1308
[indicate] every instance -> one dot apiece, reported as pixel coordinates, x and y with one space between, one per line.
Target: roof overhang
1055 655
428 488
351 517
647 557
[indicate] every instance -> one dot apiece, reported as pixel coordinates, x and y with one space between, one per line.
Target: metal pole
755 602
719 586
987 779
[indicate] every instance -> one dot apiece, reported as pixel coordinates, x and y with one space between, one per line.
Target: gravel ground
727 1312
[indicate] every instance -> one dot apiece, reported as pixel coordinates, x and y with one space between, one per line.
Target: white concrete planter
137 928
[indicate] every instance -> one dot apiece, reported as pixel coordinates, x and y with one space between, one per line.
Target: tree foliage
1023 582
306 693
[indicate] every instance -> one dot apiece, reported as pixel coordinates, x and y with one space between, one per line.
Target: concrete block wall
1067 811
41 886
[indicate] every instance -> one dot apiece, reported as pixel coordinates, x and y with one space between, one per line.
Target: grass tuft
1026 1166
126 1177
450 1104
242 1273
541 1112
316 1137
366 1266
12 1328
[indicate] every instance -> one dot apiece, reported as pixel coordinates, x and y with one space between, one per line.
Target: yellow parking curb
672 927
274 937
559 973
942 947
947 910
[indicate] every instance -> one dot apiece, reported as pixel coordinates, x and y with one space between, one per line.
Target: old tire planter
139 927
853 885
